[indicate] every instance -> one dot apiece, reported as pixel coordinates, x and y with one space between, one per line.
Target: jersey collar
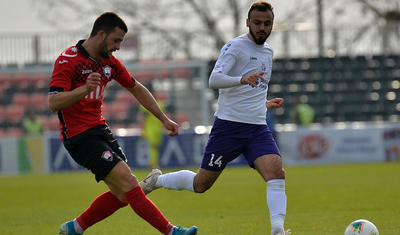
83 50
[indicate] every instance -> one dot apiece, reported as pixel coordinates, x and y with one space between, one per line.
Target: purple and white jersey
242 102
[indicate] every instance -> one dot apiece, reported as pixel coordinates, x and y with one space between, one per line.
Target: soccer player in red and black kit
77 85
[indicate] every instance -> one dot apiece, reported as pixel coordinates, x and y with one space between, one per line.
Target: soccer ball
361 227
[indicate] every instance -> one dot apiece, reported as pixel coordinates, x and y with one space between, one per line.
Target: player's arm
62 100
274 103
219 77
146 99
220 80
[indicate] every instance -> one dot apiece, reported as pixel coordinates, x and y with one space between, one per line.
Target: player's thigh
270 167
204 179
261 143
225 143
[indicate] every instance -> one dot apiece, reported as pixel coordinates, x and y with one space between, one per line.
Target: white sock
77 227
276 200
177 180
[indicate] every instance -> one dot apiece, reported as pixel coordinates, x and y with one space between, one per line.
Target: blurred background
337 65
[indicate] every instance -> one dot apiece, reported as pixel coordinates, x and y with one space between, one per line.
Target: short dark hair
107 22
260 6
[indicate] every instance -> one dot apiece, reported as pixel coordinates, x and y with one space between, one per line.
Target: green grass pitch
322 200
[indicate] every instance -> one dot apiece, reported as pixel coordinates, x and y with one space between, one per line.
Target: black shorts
96 149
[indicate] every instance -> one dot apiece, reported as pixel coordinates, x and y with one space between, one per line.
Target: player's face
260 25
111 43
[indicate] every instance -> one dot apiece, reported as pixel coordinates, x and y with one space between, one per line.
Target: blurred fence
181 85
340 89
357 80
22 49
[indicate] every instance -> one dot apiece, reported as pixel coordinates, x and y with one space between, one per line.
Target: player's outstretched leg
67 228
149 183
178 180
177 230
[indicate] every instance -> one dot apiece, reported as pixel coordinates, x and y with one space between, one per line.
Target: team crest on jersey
107 156
107 71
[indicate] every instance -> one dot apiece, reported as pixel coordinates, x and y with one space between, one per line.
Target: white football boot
149 183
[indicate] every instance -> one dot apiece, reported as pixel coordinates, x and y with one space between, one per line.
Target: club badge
107 71
107 156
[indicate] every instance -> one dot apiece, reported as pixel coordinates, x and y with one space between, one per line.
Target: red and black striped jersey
71 70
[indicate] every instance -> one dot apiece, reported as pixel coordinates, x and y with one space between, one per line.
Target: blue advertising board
185 150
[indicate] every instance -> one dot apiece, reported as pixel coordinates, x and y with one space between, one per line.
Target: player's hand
274 103
252 79
172 126
93 80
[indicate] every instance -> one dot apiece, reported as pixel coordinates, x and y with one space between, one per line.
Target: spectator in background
303 114
32 125
153 131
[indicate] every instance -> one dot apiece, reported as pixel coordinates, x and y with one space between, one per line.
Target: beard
259 40
103 50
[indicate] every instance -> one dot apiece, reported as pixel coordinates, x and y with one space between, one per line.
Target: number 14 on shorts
217 161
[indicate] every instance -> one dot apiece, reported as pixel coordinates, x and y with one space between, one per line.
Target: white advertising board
329 145
8 156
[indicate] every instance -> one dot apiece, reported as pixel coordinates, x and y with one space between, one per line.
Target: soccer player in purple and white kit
242 73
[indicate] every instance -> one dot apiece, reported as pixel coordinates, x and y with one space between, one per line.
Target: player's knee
121 197
132 181
201 188
278 173
127 181
281 173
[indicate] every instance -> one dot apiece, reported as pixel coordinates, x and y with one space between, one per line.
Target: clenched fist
274 103
93 80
